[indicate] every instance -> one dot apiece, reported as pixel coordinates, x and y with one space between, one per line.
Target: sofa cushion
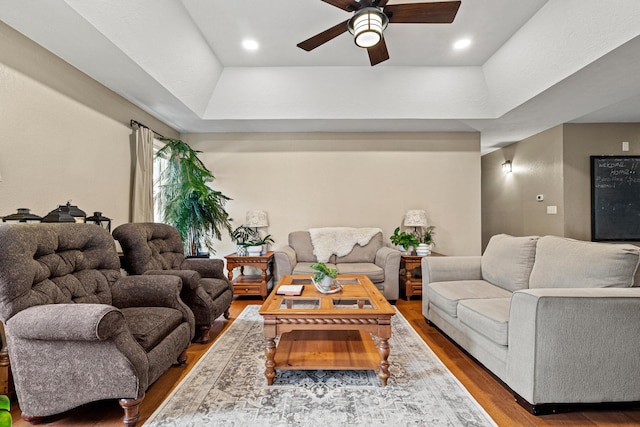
366 253
567 263
507 261
445 295
214 287
372 271
300 241
487 316
150 325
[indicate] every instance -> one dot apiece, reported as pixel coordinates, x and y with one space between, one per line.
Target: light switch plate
552 210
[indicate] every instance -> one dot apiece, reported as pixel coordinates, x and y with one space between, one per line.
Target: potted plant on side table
240 236
404 241
426 242
258 245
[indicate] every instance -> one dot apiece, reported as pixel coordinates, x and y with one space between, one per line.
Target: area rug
227 388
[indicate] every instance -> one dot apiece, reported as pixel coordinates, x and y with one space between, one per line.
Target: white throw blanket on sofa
338 240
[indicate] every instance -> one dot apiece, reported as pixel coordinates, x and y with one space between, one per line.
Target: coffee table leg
270 352
383 372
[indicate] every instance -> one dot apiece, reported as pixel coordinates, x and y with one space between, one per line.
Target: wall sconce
506 167
100 220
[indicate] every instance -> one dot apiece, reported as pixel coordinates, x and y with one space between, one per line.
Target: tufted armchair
77 331
154 248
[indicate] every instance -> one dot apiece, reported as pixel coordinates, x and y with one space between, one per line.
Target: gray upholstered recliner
154 248
77 331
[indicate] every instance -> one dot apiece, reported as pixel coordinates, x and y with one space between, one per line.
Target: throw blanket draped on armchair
339 240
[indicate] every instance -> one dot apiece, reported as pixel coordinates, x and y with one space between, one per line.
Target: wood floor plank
482 385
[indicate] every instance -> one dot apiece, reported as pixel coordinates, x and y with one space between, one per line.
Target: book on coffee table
290 290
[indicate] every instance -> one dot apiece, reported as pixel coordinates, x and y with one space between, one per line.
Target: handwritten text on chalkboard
615 198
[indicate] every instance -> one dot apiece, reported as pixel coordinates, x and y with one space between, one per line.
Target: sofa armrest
574 345
190 278
152 291
67 322
454 268
389 260
286 261
83 337
207 267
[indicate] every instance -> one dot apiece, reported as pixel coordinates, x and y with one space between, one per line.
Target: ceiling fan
370 18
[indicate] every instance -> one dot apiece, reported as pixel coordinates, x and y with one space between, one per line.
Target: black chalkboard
615 198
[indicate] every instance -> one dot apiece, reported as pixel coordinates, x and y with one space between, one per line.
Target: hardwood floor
487 390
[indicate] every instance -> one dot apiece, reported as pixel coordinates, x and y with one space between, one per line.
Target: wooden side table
412 285
251 284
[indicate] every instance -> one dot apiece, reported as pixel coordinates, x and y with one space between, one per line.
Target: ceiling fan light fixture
367 26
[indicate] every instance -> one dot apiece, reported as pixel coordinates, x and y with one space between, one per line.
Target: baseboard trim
557 408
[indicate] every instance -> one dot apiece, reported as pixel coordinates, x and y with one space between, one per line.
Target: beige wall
351 179
509 202
554 163
64 136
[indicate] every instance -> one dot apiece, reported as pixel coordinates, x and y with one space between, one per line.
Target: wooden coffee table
327 331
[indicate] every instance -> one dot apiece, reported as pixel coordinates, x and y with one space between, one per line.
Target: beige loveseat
556 319
373 259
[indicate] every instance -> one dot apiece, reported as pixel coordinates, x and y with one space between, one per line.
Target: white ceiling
532 64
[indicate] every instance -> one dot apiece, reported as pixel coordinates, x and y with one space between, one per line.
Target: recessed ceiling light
250 44
462 43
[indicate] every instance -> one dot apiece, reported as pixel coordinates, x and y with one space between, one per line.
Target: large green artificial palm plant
185 199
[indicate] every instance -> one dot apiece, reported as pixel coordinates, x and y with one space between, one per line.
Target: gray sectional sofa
556 319
375 260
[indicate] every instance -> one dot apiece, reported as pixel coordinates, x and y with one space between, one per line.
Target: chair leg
182 359
32 419
131 414
202 336
226 314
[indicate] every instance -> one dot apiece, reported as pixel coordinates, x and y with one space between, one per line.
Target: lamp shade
415 218
257 219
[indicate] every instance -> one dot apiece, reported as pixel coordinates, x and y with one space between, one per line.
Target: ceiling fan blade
378 53
423 13
323 37
348 5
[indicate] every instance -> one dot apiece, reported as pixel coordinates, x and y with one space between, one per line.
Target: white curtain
142 197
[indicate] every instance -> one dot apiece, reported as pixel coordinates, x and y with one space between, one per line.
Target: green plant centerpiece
405 241
324 275
185 199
